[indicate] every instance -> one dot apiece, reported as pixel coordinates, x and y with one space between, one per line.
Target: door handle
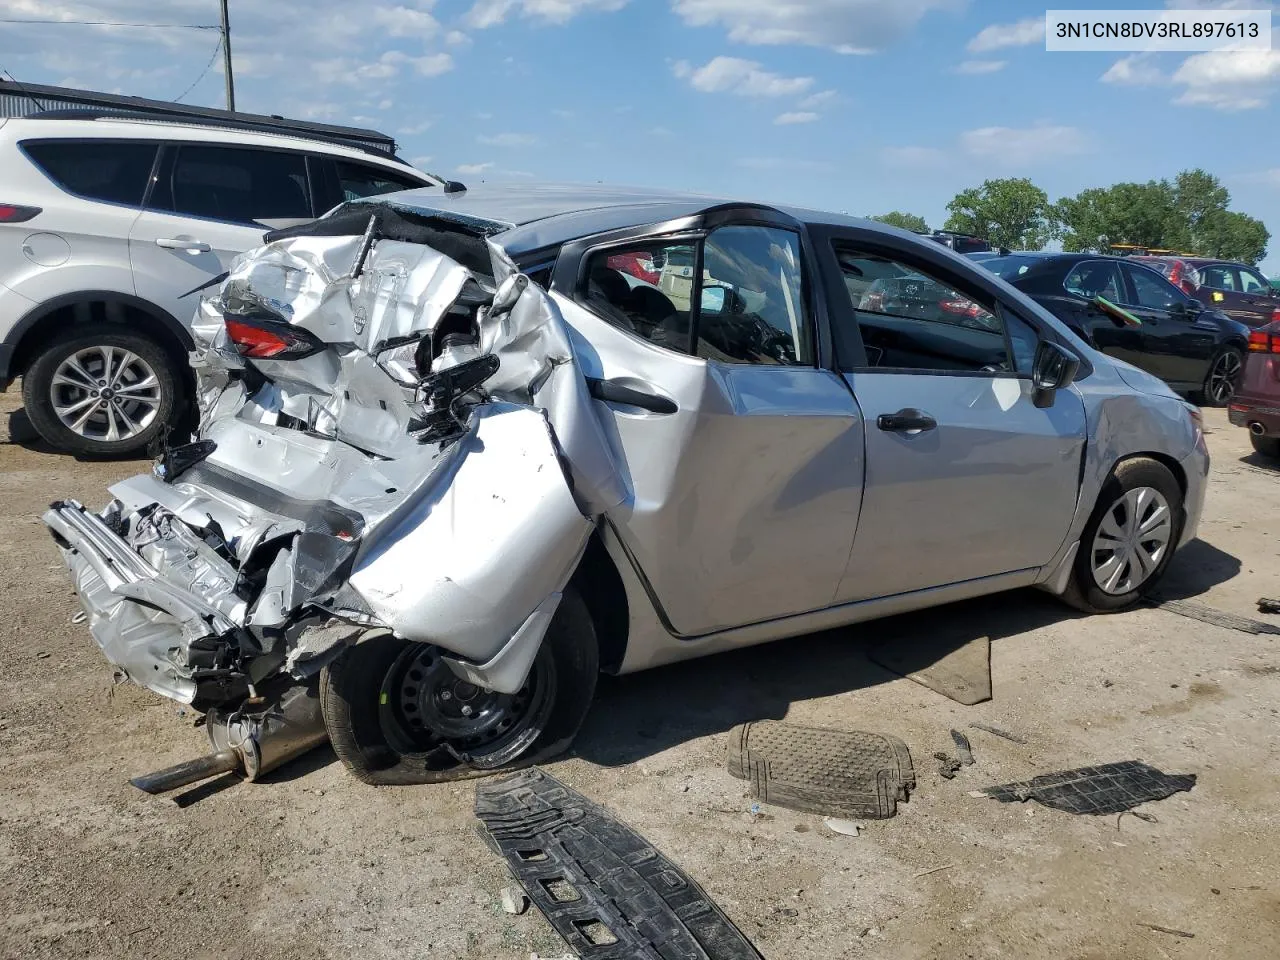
612 391
907 420
173 243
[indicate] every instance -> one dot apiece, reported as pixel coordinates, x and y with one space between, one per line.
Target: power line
216 48
116 23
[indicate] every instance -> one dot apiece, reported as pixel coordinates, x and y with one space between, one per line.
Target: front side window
1096 278
645 289
357 180
1218 278
910 318
1252 283
1154 291
237 185
107 170
752 308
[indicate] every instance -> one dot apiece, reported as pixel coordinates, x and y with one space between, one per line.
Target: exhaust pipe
1257 429
252 740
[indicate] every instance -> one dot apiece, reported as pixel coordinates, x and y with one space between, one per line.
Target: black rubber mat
828 772
1110 788
603 887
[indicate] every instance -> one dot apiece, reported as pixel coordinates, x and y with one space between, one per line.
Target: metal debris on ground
959 672
827 772
996 731
964 750
845 828
1109 788
1140 814
601 885
1219 618
1169 930
1266 605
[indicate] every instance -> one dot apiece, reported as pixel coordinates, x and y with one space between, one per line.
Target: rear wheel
1223 376
1129 540
100 391
1267 446
396 713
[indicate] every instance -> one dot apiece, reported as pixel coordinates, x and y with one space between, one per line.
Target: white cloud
1020 147
847 26
420 162
404 22
661 132
799 116
1135 70
977 67
1270 178
385 103
796 164
562 113
746 78
1000 35
814 100
914 157
1240 80
433 64
508 140
475 168
413 129
456 38
490 13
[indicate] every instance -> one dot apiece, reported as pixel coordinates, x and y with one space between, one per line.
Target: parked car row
1238 290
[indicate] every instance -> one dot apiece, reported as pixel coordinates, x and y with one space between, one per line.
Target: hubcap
1131 540
105 393
1222 378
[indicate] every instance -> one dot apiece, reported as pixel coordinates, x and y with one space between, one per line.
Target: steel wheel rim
1222 377
105 394
1131 541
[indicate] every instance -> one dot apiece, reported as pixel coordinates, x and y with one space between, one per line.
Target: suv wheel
99 391
1223 376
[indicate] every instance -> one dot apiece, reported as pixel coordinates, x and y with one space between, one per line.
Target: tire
1084 591
1267 446
363 699
1227 363
149 392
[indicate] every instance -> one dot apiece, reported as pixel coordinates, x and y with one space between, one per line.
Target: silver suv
108 225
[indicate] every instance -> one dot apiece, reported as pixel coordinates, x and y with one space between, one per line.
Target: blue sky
856 105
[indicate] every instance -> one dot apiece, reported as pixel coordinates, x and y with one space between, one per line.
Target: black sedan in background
1194 349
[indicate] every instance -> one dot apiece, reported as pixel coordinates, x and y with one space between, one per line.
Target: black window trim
169 154
146 188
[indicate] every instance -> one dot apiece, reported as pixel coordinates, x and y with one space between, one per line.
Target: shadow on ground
1270 464
640 715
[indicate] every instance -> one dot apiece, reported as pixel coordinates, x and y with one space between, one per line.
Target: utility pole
226 58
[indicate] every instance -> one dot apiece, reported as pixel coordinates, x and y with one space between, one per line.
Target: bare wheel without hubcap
105 393
1220 385
1131 541
426 706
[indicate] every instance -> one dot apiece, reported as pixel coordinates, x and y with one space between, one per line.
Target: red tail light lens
1262 342
270 340
12 213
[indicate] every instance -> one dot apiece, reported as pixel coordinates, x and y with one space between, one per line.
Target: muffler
251 740
1257 429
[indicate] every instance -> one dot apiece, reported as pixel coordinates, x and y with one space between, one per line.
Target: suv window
1251 282
1218 277
1093 278
752 308
645 289
357 180
1152 290
236 184
910 318
113 171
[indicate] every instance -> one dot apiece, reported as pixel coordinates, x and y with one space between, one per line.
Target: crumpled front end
390 443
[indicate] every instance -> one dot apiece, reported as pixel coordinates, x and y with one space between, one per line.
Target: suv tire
63 391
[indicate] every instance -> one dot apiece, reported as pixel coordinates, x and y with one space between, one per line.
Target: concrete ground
314 864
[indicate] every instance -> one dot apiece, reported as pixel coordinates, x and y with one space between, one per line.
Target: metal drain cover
828 772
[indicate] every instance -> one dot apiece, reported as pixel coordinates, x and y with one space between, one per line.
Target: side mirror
1053 368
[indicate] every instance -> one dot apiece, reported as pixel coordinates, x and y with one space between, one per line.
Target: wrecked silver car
459 451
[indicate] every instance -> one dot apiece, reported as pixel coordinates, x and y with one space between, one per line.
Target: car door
1178 341
1089 279
207 204
1259 303
965 476
1220 290
742 454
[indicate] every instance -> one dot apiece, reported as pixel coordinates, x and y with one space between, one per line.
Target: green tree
1140 213
1198 198
1232 236
1012 213
907 221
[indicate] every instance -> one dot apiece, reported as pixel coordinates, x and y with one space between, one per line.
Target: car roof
136 128
530 216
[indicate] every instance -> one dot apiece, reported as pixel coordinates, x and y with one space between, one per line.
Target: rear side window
235 184
1152 290
112 171
1219 278
357 180
1096 278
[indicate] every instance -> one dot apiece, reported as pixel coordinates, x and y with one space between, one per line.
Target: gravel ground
313 864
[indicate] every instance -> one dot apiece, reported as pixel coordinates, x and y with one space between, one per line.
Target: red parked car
1256 404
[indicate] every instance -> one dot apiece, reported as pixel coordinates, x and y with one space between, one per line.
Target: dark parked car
1193 349
1256 404
961 242
1239 291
